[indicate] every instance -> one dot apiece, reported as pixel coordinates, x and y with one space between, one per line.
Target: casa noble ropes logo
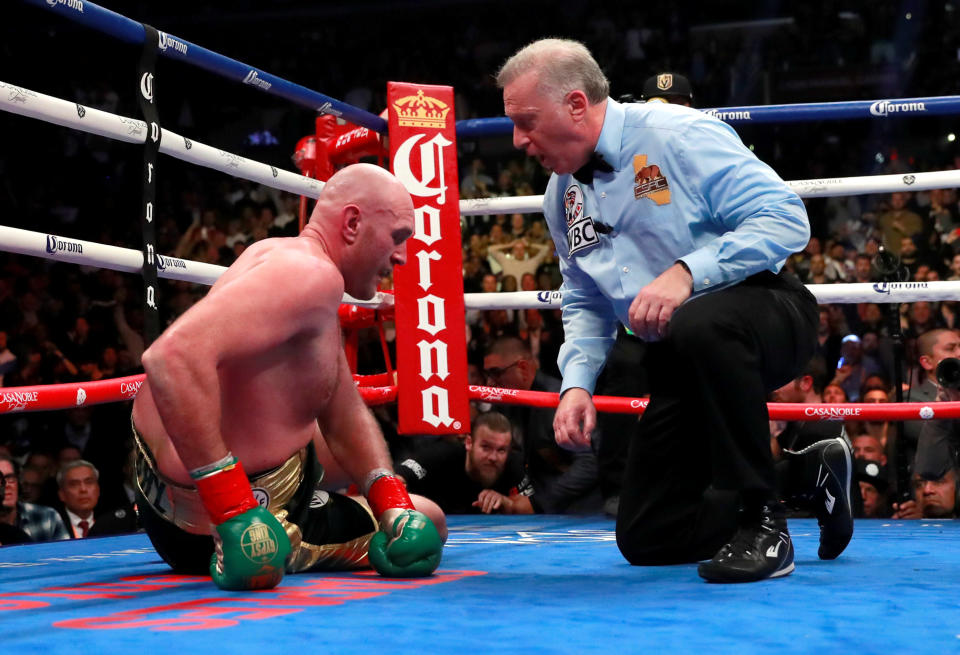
424 160
130 389
830 413
13 401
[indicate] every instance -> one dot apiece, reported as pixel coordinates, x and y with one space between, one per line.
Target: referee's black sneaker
822 485
760 549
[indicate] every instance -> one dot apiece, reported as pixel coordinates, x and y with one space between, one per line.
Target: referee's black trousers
703 443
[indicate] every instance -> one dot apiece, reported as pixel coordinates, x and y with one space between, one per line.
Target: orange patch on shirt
649 182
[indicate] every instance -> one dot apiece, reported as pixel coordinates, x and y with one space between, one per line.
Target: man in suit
79 491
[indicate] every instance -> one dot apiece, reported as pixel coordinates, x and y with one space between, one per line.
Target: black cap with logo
665 85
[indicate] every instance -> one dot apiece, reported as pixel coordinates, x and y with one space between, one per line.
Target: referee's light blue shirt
684 187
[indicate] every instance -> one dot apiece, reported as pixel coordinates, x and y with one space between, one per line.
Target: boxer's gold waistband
181 505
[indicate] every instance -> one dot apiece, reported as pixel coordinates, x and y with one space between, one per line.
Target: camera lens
948 373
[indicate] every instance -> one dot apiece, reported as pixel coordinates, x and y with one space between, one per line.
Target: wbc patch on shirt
581 232
649 182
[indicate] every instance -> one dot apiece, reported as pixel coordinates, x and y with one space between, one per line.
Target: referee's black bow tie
585 173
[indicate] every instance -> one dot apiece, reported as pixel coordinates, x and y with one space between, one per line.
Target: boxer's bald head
371 189
363 216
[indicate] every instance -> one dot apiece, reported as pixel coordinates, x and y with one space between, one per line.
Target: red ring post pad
226 493
386 493
429 305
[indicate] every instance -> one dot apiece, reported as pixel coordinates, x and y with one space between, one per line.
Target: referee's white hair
563 65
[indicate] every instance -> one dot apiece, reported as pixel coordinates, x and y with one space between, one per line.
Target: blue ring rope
94 16
130 31
796 113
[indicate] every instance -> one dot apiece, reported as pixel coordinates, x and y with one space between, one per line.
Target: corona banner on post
431 349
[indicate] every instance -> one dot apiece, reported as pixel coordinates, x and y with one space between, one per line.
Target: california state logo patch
649 182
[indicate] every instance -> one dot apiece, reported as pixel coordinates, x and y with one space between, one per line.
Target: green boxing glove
251 545
407 546
252 550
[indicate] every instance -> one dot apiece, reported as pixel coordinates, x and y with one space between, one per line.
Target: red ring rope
76 394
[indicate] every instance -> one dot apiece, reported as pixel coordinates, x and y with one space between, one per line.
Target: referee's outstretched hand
575 420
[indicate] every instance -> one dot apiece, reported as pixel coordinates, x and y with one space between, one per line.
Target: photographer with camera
935 467
933 346
935 475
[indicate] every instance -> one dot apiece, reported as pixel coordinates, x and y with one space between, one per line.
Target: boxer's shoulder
295 265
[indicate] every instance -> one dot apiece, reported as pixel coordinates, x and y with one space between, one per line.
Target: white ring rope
88 253
115 258
871 292
29 103
33 104
25 102
837 186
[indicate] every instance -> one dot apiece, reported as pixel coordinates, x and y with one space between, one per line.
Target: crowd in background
61 322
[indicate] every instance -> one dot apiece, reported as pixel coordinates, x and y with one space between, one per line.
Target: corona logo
431 168
729 115
253 79
76 5
430 320
55 245
165 42
549 297
421 111
163 263
887 107
146 86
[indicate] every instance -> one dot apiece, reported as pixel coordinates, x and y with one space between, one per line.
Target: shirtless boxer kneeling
255 373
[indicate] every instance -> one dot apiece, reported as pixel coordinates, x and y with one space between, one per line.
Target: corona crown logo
421 111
